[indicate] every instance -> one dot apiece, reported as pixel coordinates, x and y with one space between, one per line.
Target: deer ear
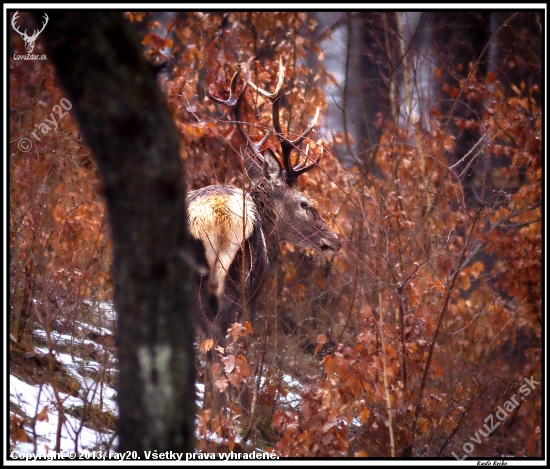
253 169
273 171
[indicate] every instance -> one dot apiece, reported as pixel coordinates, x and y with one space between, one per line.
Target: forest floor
83 369
83 365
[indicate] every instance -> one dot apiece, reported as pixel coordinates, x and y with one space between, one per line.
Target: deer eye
303 205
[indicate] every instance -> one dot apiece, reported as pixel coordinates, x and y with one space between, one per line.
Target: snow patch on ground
74 435
103 308
42 426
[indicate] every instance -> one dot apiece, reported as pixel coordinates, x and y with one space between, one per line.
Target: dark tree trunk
125 121
374 74
461 47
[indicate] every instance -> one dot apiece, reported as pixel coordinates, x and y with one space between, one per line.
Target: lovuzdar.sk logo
29 40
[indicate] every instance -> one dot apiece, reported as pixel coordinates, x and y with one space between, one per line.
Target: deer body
236 233
222 221
222 218
225 221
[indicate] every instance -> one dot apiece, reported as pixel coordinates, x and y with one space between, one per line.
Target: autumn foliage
403 343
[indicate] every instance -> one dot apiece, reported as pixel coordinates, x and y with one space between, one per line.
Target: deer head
29 40
297 220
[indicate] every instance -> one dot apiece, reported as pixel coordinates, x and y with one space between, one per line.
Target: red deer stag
236 233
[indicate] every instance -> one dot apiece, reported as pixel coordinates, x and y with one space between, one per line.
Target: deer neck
265 205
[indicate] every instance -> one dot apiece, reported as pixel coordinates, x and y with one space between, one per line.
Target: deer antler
16 28
288 145
24 35
234 103
43 26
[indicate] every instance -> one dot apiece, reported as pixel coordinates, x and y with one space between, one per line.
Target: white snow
76 435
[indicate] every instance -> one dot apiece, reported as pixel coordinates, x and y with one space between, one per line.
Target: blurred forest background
429 319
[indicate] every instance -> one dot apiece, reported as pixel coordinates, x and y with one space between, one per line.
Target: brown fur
237 235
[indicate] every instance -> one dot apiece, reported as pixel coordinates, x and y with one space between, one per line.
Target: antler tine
300 169
263 140
306 132
275 94
306 153
287 145
234 105
44 23
230 102
13 20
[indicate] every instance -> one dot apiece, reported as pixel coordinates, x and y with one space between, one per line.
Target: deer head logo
29 40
